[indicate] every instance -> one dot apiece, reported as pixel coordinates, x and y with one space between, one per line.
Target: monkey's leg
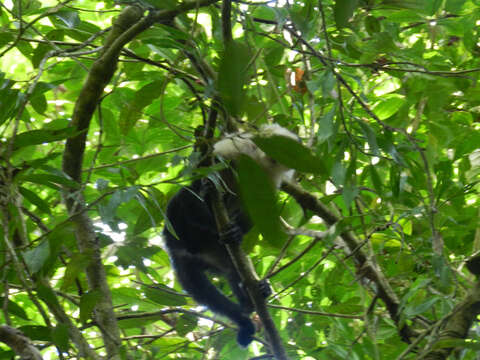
197 284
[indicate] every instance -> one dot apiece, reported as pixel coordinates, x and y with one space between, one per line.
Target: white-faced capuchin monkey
193 240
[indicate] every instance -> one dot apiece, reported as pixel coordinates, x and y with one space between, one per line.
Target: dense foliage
98 126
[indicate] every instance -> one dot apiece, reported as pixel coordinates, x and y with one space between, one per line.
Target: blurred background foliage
384 94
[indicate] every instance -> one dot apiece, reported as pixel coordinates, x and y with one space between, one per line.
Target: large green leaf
343 11
35 137
388 106
132 110
232 76
291 153
35 199
87 304
164 296
36 257
258 195
15 309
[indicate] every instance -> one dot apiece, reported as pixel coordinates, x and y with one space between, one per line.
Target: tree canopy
108 108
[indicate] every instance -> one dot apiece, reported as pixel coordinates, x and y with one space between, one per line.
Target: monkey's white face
234 145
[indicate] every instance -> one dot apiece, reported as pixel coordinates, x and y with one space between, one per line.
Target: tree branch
250 279
127 26
99 76
364 266
456 326
19 343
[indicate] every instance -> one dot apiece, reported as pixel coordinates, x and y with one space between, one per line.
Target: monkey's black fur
198 247
194 242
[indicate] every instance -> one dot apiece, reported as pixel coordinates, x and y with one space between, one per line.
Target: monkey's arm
192 221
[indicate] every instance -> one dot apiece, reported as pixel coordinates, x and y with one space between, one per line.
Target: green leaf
38 55
457 343
395 181
265 12
36 257
454 6
26 49
407 4
25 7
175 32
371 137
376 181
338 173
382 42
36 137
15 309
36 332
349 193
259 197
343 11
5 37
388 106
9 102
137 323
232 76
42 161
87 304
108 211
326 126
82 31
35 199
186 323
422 308
60 337
290 153
76 266
39 103
151 213
372 25
132 296
303 15
432 7
69 18
273 55
418 285
47 295
404 16
165 297
49 180
132 110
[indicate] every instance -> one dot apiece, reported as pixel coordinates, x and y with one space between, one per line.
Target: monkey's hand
246 329
265 288
232 234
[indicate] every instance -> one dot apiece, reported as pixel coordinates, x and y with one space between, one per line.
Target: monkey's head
232 146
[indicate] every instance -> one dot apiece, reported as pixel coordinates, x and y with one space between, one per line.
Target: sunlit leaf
388 106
